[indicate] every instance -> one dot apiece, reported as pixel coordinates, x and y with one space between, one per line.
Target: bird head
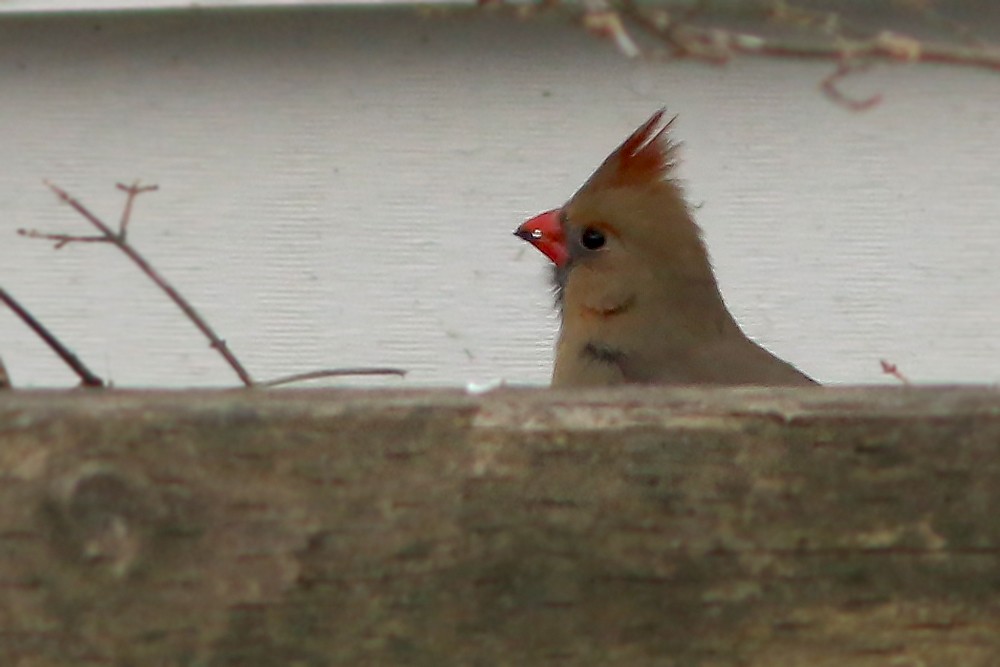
629 210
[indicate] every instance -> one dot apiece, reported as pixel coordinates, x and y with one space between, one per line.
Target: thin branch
893 370
600 19
131 192
830 86
61 239
832 38
333 372
87 378
832 43
118 239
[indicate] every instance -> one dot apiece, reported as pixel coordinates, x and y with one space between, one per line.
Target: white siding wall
339 188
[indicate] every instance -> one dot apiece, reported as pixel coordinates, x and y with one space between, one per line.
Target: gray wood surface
839 527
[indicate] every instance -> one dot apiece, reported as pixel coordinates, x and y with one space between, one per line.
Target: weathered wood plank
636 527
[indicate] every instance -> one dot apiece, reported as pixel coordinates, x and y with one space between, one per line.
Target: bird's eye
592 239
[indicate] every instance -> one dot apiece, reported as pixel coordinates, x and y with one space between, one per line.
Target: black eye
592 239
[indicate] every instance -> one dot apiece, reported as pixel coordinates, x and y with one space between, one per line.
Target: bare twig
600 19
61 239
832 90
830 36
333 372
131 192
893 370
87 378
118 239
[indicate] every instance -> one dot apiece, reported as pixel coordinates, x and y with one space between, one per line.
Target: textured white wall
339 188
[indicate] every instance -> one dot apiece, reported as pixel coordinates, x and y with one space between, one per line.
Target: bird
638 299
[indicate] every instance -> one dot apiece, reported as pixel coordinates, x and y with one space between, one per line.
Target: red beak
545 232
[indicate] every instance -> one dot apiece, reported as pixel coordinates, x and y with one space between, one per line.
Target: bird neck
685 305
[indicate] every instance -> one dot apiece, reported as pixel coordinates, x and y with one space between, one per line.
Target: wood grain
634 527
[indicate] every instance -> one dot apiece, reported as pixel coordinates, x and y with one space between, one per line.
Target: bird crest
647 156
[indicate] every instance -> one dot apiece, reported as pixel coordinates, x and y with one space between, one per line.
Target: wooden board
840 527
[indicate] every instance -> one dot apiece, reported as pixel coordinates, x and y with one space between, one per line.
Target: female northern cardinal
639 301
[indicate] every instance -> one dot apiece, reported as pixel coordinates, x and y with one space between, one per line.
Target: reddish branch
893 370
333 372
87 379
831 38
118 239
830 87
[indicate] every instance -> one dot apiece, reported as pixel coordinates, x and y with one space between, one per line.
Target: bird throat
590 294
606 312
